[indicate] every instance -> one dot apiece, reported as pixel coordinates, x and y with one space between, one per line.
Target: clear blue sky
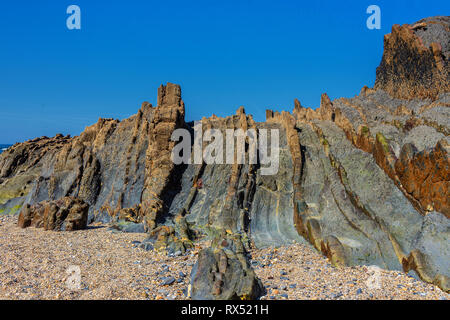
260 54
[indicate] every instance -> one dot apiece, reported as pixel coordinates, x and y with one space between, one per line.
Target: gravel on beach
299 272
38 264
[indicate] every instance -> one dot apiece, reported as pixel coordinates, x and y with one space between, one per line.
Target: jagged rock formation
159 168
415 62
222 272
65 214
365 180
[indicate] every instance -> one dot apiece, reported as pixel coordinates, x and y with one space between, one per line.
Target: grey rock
336 295
167 281
129 227
222 272
423 137
146 246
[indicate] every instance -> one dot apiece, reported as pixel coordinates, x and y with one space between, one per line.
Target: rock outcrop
222 272
65 214
365 180
159 168
415 62
21 165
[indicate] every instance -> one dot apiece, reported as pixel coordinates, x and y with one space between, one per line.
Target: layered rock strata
365 180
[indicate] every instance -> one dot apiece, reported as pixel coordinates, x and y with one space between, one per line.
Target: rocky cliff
365 180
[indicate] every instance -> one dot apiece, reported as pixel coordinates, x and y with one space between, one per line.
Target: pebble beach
38 264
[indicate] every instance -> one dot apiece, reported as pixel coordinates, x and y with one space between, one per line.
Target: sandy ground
100 264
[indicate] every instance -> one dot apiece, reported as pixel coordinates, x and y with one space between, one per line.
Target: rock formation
415 62
65 214
222 272
21 165
159 168
365 180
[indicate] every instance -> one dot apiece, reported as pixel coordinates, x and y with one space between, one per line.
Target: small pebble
167 281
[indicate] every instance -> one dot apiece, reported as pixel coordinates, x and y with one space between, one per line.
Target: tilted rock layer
222 272
365 180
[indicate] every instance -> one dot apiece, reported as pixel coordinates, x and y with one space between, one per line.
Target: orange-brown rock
327 111
65 214
426 176
159 168
27 155
410 69
22 164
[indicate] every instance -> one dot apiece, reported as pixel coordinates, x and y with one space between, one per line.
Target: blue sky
260 54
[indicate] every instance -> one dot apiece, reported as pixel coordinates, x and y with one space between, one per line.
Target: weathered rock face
364 180
65 214
415 62
426 175
159 168
21 165
222 272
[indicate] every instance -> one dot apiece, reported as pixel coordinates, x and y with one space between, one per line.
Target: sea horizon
3 147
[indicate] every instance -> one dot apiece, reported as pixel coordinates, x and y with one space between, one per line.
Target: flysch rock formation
365 180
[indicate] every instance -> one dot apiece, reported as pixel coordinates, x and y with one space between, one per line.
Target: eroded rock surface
222 272
65 214
364 180
416 60
21 165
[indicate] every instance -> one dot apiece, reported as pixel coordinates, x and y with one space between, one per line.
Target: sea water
3 147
